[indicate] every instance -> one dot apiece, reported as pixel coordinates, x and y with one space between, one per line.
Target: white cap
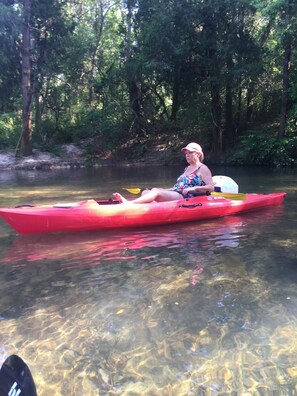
194 147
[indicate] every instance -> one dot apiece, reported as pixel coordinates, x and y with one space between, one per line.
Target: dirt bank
71 156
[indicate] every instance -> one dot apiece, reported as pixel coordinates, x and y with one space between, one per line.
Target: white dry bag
225 184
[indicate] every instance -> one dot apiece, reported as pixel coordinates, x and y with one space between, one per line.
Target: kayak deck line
103 214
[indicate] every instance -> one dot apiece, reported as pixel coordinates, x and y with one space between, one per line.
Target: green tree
10 65
114 70
26 79
288 27
278 39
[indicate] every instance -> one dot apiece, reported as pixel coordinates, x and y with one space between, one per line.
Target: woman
195 179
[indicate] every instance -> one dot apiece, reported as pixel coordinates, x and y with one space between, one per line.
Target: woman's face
191 156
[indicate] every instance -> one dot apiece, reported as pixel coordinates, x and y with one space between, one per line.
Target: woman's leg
166 195
156 194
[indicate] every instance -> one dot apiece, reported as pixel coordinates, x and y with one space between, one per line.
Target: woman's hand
189 190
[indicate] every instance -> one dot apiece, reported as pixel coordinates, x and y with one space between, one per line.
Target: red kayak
107 214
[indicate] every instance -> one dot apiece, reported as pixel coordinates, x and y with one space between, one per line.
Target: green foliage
10 130
111 72
263 149
292 122
10 29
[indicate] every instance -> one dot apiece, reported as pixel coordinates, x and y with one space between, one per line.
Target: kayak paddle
16 378
133 190
233 196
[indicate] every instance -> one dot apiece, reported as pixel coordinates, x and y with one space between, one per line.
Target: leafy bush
261 149
10 130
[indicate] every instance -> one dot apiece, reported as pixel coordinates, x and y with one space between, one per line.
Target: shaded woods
108 72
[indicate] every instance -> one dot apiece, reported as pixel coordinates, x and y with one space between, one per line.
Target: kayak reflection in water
195 179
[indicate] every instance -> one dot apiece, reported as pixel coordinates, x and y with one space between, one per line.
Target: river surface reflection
204 308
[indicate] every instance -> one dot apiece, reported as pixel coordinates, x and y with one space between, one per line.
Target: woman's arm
206 176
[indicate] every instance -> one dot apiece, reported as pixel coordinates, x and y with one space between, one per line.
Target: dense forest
109 72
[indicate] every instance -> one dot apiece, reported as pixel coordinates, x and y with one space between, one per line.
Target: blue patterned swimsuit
186 181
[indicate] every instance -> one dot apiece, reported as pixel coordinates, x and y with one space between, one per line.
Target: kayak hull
95 215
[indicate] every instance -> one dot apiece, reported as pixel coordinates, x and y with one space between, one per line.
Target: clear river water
204 308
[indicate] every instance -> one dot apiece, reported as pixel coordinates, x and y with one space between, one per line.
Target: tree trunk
98 29
175 95
252 83
135 97
285 90
229 121
134 84
26 82
217 141
250 101
238 111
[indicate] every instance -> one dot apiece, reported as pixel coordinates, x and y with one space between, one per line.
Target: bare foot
120 198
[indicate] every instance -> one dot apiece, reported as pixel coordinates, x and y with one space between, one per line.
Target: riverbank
71 157
137 153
